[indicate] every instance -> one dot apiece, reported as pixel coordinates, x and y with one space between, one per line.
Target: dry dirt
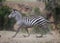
6 37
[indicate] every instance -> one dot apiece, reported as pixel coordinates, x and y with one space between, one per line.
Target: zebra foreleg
16 32
27 32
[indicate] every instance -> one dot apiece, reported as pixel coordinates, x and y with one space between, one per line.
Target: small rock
0 35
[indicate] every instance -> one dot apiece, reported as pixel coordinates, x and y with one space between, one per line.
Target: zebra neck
17 18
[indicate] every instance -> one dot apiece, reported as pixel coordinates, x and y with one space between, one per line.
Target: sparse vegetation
4 12
37 11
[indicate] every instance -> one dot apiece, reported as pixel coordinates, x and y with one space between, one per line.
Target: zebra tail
50 22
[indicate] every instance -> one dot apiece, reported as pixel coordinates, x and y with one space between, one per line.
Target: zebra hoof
25 35
39 36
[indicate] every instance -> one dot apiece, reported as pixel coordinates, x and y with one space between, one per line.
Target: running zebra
28 22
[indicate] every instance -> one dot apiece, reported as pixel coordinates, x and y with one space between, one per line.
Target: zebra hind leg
38 35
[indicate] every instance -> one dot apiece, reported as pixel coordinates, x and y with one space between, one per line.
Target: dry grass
6 37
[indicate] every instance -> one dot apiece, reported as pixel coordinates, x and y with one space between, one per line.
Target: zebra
28 22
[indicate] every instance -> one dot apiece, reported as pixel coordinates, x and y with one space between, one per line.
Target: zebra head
14 13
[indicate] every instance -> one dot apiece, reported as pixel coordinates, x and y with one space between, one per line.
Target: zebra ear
14 9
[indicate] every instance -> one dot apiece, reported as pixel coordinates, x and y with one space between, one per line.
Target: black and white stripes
35 21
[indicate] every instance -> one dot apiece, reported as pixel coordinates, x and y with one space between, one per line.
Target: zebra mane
17 10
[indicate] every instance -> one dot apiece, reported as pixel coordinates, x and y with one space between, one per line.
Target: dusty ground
6 37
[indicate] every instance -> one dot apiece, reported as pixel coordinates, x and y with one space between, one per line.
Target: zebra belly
27 24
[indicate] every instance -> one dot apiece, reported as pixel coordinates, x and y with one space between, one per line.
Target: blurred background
50 9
